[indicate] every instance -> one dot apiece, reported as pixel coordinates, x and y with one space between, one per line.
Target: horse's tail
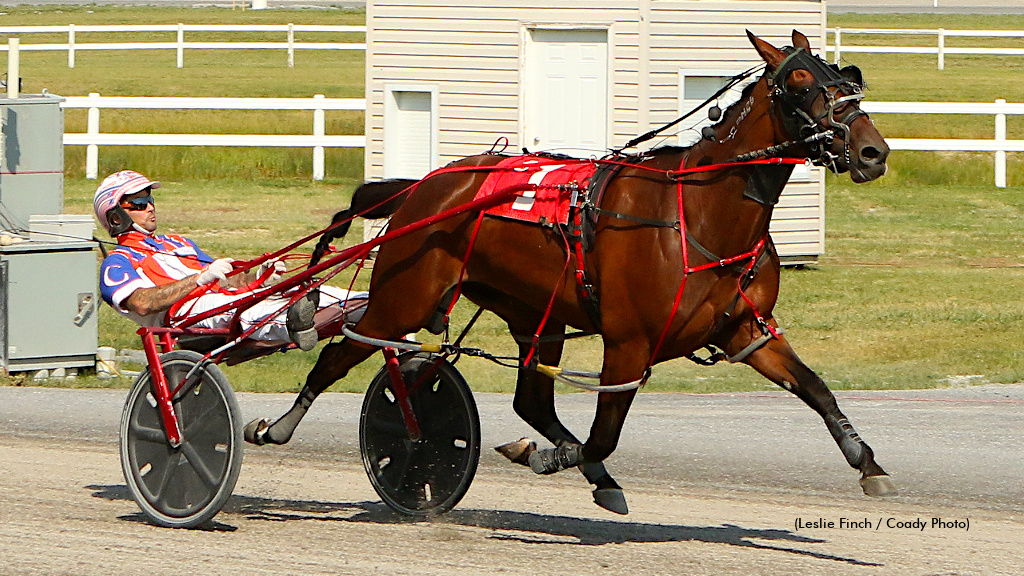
370 200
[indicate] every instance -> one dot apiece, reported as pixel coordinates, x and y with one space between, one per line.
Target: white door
566 91
410 145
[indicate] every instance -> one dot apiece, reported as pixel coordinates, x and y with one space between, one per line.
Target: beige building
448 78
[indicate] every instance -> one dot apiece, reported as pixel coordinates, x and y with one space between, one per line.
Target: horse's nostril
872 155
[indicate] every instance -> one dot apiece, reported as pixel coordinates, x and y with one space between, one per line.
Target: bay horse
659 307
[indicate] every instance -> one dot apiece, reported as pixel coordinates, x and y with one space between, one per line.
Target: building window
696 86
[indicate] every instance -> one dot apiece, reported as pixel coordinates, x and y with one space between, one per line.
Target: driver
147 273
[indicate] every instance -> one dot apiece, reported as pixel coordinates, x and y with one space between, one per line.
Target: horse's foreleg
622 364
333 364
777 361
604 436
535 403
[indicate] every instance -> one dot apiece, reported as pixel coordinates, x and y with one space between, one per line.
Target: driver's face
146 217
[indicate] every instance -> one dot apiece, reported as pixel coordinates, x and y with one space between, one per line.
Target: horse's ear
772 55
800 41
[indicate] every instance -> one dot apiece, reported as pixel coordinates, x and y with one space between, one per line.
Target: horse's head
812 97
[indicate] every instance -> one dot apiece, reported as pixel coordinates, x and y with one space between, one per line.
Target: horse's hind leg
333 364
777 361
535 403
379 321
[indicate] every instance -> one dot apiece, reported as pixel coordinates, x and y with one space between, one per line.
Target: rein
728 85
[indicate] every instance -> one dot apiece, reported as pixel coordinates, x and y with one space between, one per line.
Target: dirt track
64 509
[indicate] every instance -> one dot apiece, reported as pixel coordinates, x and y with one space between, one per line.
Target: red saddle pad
552 185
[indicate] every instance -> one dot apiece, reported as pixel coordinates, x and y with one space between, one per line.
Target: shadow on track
523 527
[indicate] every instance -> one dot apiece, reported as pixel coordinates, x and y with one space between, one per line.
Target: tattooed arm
146 301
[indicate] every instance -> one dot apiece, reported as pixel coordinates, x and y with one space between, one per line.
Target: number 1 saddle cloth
550 186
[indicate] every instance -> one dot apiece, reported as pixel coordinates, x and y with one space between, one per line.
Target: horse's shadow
524 527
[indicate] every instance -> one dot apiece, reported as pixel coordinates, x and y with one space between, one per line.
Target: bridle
835 86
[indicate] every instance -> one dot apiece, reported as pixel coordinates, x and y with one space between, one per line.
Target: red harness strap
687 269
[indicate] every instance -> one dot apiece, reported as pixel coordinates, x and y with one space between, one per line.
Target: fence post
181 45
836 54
942 49
1000 154
318 131
71 45
13 72
291 45
92 151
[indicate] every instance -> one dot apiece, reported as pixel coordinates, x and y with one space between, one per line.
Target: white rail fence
838 35
999 144
179 44
318 140
290 44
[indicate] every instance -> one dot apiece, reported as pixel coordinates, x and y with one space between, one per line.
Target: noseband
836 87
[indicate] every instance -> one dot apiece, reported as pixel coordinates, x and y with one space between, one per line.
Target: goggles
140 203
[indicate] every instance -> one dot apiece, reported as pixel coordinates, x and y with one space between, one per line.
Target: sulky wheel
429 475
182 487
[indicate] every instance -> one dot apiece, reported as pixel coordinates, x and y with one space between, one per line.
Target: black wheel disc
430 475
182 486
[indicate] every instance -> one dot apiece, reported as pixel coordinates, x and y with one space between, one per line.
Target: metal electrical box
31 158
48 305
48 300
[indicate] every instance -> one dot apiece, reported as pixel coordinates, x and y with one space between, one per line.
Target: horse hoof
878 485
255 431
518 451
611 499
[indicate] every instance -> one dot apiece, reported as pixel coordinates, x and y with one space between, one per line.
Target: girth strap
584 289
582 235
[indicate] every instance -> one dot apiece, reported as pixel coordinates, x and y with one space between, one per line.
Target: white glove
216 270
278 267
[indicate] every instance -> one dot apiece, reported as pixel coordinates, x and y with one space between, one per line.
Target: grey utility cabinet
31 158
47 260
48 305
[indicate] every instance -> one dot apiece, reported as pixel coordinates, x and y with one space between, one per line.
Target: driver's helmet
107 201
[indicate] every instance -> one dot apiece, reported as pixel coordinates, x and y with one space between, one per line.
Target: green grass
915 77
237 73
920 281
